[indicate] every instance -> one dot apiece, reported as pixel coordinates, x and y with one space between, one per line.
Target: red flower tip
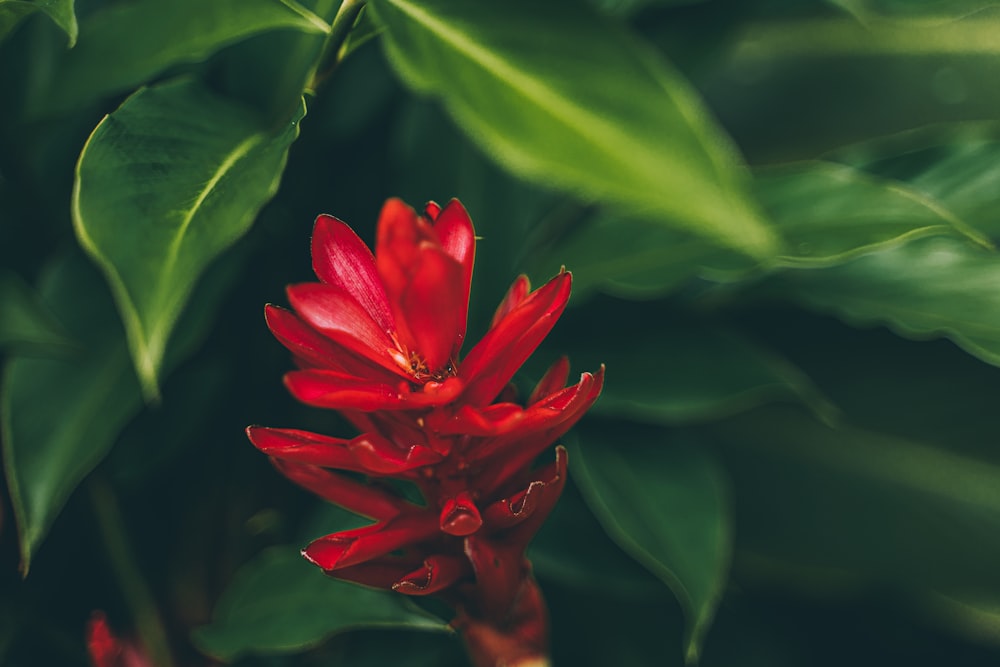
460 516
437 573
379 455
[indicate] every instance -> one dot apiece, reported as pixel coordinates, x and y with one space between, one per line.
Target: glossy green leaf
164 184
818 504
664 501
679 369
829 213
929 288
60 11
61 416
281 603
565 97
25 324
942 10
126 44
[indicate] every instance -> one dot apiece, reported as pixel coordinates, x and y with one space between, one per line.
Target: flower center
422 372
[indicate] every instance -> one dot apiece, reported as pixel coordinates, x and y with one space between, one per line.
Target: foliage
781 219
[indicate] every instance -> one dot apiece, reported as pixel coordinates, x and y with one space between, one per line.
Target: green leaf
829 213
818 504
929 288
163 185
127 44
942 10
61 416
565 97
280 603
678 369
26 324
60 11
663 501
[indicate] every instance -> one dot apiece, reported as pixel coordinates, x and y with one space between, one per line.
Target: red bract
379 338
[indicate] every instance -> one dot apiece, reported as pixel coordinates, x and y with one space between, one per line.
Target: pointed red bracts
379 338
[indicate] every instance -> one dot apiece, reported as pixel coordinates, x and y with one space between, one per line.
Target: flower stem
340 28
138 596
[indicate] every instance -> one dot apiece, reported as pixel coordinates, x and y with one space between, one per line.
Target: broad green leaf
61 416
163 185
281 603
664 501
60 11
929 288
820 504
569 99
940 10
829 213
126 44
25 324
675 369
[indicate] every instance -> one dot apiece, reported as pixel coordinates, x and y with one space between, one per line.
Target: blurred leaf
943 10
975 616
60 11
573 549
364 30
924 289
280 603
829 213
565 97
61 416
815 503
664 502
164 184
681 371
25 324
126 44
627 7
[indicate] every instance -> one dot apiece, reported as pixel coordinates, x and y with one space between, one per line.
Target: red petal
554 479
541 493
380 572
460 516
341 490
553 380
338 391
458 239
303 447
434 304
336 314
379 455
342 259
517 293
495 359
489 421
432 210
351 547
437 573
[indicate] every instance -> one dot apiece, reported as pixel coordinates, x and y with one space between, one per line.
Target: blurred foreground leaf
164 184
26 324
61 416
945 10
280 603
934 287
125 44
816 503
564 96
664 502
60 11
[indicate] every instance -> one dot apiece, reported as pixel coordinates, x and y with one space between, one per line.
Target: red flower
379 338
384 332
107 650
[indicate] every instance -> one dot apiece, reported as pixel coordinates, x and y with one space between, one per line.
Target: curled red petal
339 391
553 478
303 447
381 572
338 316
517 293
380 455
341 490
495 359
351 547
554 379
460 516
432 210
437 573
341 258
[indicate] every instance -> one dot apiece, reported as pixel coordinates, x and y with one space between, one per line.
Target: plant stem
133 585
340 28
